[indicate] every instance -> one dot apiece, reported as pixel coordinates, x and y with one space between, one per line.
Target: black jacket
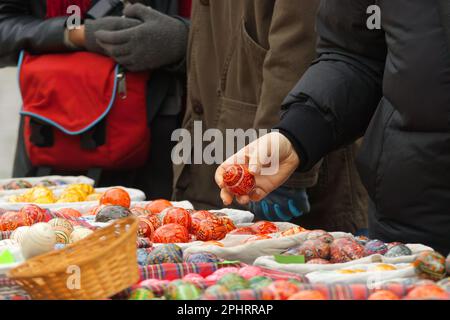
393 85
22 26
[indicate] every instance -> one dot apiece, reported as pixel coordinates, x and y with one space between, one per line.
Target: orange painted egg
145 227
264 227
211 230
203 215
228 223
179 216
427 292
155 220
116 197
68 212
12 220
293 231
283 289
239 180
171 233
33 213
383 295
243 231
308 295
157 206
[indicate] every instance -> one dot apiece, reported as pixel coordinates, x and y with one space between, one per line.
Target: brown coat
244 57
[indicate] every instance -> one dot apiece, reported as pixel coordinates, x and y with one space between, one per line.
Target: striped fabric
5 235
10 290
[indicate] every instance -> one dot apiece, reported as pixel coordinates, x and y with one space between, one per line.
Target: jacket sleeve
19 30
335 99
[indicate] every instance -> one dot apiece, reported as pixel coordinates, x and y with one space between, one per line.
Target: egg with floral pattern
167 253
345 249
171 233
430 265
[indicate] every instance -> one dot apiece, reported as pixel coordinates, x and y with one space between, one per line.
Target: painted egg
171 233
79 234
63 229
320 235
157 206
233 282
116 197
39 239
193 278
383 295
141 294
34 213
142 255
155 220
12 220
138 211
430 265
17 184
181 290
345 249
318 261
257 237
203 215
221 272
216 289
264 227
228 223
283 289
249 272
311 249
375 247
399 250
308 295
243 231
179 216
362 240
201 257
445 284
239 180
393 244
211 230
108 213
68 212
259 282
447 264
19 233
46 183
293 231
427 292
145 227
167 253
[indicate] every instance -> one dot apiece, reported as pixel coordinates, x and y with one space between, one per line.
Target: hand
283 204
158 41
77 36
110 24
261 159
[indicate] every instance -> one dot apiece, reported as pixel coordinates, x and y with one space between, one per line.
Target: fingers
118 23
226 197
219 176
138 11
115 51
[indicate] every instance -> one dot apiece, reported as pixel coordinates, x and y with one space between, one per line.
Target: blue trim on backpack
51 122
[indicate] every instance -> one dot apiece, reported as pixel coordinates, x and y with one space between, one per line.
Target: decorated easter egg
34 213
249 272
318 261
211 230
311 249
141 294
308 295
181 290
116 197
228 223
155 220
179 216
283 289
216 289
19 234
157 206
203 215
362 240
375 247
221 272
430 265
319 235
171 233
12 220
239 180
243 231
142 255
46 183
264 227
383 295
68 213
145 227
445 284
16 185
447 264
427 292
233 282
293 231
393 244
345 249
138 211
167 253
63 229
193 278
39 239
257 237
399 250
201 257
79 234
108 213
259 282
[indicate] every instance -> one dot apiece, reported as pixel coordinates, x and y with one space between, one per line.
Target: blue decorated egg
375 247
201 257
398 251
166 253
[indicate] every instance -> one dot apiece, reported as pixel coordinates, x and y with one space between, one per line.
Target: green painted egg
234 282
430 265
216 290
180 290
260 282
141 294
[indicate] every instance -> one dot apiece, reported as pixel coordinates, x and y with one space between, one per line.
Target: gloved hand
283 204
110 24
159 41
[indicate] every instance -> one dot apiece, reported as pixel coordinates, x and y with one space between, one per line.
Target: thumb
139 11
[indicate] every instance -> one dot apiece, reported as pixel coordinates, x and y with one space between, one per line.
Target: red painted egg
12 220
383 295
427 292
283 289
171 233
68 212
145 228
239 180
179 216
157 206
203 215
345 249
211 230
265 227
308 295
243 231
33 213
116 197
228 223
155 220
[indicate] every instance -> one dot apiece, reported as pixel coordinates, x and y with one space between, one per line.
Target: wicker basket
96 267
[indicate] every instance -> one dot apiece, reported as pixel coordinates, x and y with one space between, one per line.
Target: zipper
122 84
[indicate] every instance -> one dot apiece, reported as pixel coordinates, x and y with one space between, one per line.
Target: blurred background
9 119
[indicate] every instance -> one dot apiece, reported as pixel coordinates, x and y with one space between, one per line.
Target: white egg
39 239
19 233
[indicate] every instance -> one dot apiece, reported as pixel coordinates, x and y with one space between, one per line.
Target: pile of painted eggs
23 184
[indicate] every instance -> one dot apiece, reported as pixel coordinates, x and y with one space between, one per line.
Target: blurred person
153 37
244 56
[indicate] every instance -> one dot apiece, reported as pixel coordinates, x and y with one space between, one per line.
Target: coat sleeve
19 30
335 99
